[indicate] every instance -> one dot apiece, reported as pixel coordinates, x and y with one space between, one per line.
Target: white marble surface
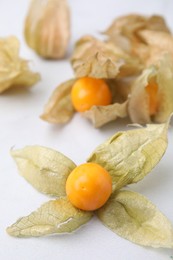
20 125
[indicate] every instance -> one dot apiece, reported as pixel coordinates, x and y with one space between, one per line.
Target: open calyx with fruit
97 187
128 74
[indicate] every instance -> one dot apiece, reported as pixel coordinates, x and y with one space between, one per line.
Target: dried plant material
132 34
124 30
127 157
130 155
134 217
59 108
14 71
135 42
97 59
157 43
152 92
100 115
161 40
45 169
120 89
55 216
47 28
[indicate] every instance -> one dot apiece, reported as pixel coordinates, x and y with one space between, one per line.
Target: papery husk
138 106
59 108
129 156
47 28
124 30
44 168
165 82
14 71
158 39
120 89
101 115
97 59
158 43
55 216
133 217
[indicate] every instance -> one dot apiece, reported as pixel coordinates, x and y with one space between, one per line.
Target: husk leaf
97 59
130 155
59 108
161 40
14 71
101 115
138 106
47 27
45 169
124 31
55 216
133 217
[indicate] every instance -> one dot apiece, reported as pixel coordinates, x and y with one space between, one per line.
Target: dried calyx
14 71
128 157
47 28
137 68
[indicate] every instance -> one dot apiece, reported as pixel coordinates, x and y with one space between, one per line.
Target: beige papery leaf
14 71
130 155
132 216
59 108
161 40
47 27
152 92
97 59
124 31
44 168
100 115
55 216
155 44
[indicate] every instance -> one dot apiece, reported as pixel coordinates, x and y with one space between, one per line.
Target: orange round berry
87 92
152 91
89 186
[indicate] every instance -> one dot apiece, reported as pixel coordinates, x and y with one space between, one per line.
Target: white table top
20 125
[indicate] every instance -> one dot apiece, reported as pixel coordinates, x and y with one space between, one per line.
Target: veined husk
60 110
132 216
47 28
158 43
55 216
14 71
125 29
45 169
97 59
130 25
127 32
128 156
162 40
138 106
101 115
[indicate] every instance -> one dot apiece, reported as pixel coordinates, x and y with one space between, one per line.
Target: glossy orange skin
89 186
152 90
87 92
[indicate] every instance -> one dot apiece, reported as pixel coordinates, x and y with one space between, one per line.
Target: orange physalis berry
152 91
87 92
89 186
